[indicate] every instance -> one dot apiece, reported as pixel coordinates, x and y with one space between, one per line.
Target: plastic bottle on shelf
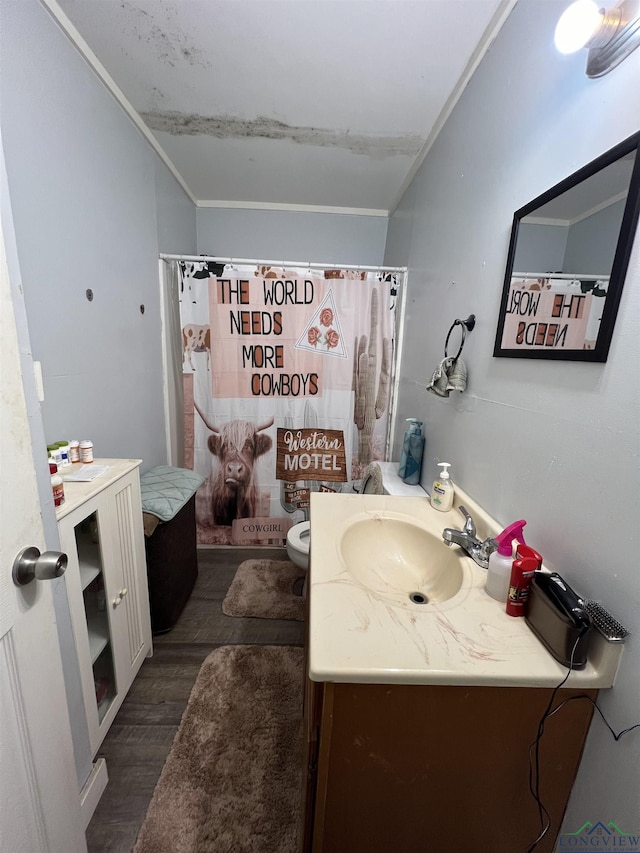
55 454
442 491
523 569
56 484
65 452
501 561
86 451
412 452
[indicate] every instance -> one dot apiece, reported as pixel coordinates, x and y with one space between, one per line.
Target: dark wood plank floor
139 740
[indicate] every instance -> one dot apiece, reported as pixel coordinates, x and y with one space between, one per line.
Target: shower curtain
287 378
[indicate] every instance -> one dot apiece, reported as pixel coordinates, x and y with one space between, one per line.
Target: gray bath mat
266 589
233 778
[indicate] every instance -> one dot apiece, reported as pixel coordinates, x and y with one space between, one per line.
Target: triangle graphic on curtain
323 333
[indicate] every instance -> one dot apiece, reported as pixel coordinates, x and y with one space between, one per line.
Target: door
85 536
39 797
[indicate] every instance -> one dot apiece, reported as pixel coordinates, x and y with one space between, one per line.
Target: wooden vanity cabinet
407 768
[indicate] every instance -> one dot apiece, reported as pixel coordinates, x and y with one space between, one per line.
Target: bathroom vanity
419 718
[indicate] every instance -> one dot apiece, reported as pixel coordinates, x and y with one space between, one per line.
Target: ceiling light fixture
610 35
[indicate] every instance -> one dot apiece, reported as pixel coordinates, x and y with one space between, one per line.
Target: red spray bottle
522 571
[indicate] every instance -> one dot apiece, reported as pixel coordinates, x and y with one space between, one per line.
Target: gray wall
553 442
292 236
591 244
177 230
540 248
92 206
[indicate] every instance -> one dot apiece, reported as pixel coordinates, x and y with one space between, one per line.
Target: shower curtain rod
262 261
563 275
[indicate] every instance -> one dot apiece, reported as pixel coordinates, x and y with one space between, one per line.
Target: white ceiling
268 103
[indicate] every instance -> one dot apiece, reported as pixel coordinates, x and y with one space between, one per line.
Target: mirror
567 262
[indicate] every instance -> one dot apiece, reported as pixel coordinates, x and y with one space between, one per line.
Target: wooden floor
141 735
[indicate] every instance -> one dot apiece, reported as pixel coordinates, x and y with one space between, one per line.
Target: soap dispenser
442 491
412 451
501 561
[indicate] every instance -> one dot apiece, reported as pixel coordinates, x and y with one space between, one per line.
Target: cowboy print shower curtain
287 385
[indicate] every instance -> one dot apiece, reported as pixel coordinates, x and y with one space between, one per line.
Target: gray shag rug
266 589
232 782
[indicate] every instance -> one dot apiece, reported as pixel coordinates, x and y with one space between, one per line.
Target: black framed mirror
567 261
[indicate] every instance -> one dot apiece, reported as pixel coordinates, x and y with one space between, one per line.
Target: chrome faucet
466 539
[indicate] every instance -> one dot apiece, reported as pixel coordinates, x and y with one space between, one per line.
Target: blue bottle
412 452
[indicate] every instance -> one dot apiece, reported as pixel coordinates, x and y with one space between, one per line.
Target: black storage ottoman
170 541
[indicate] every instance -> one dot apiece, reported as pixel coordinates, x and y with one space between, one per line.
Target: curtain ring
464 335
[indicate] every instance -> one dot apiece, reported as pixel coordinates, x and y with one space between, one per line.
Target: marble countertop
358 636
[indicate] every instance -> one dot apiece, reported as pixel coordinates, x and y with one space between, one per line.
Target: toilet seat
299 536
298 541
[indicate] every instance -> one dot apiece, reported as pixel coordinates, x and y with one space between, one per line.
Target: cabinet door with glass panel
100 528
85 537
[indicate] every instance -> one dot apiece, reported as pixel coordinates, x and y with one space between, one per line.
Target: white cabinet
100 528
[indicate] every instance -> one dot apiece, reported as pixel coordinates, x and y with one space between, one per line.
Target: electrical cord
534 760
615 736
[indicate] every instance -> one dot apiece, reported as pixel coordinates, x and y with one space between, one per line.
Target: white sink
369 553
398 559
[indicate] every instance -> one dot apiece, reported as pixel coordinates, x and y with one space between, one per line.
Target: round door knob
30 565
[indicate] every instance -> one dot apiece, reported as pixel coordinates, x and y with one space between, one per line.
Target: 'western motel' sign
311 454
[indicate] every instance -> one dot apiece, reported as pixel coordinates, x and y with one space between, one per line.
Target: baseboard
92 790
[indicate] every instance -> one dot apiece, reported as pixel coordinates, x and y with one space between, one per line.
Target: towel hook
466 325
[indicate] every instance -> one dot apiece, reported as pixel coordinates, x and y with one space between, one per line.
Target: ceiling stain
169 41
228 127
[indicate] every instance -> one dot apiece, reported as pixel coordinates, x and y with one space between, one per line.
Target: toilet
299 536
298 540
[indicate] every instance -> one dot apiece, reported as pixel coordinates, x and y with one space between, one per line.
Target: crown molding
298 208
